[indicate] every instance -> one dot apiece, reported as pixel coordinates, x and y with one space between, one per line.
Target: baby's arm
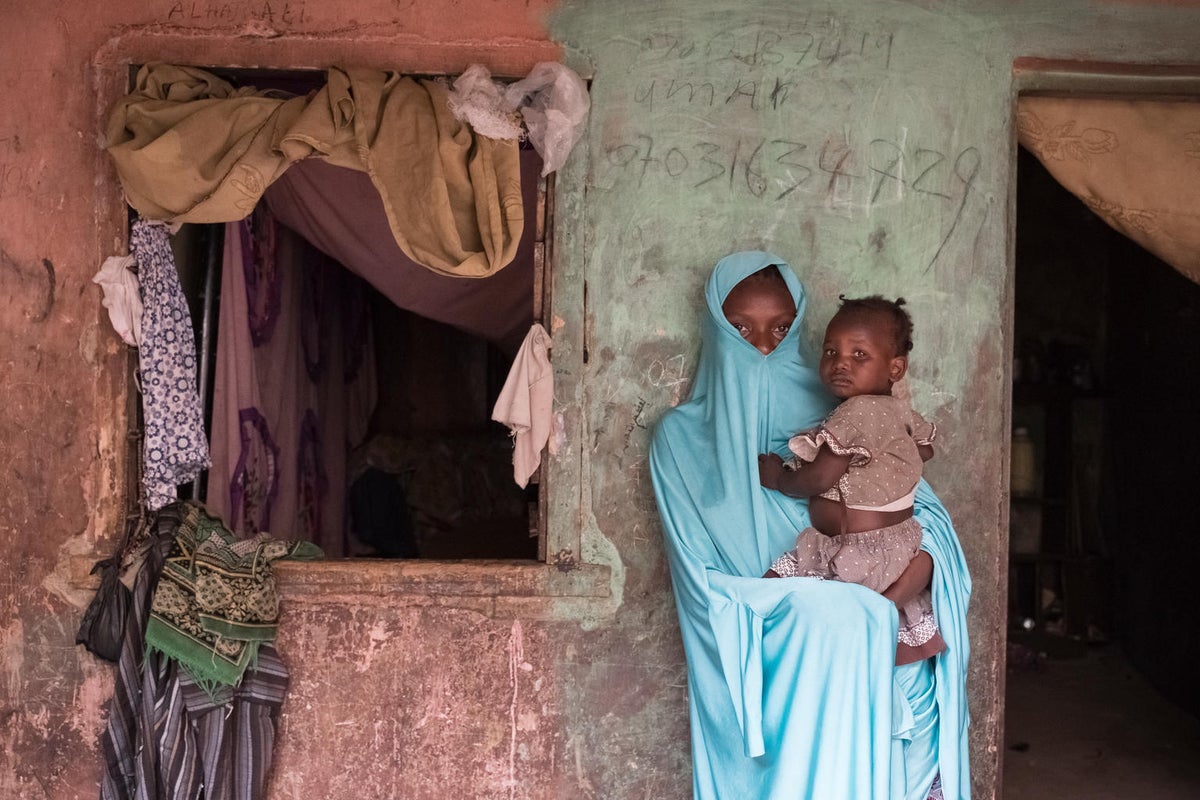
926 451
813 478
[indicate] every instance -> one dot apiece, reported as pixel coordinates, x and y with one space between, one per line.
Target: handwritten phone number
776 168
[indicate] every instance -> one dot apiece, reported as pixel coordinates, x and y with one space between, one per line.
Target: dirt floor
1092 728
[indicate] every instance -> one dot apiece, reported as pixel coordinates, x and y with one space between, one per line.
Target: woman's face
762 311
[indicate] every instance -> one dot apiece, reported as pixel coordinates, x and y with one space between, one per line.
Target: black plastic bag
103 627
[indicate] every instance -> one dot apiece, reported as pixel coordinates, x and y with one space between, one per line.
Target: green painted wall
870 144
854 141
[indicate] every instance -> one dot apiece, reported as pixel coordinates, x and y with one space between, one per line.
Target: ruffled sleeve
922 432
841 432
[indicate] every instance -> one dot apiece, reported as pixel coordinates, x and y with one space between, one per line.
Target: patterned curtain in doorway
294 388
1135 163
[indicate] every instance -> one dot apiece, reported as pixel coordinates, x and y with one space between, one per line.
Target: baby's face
762 311
859 357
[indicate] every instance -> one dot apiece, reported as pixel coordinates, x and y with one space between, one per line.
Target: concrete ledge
496 589
363 578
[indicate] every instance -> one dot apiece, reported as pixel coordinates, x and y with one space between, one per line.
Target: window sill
498 589
426 578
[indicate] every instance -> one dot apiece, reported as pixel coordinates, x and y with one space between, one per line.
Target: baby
860 468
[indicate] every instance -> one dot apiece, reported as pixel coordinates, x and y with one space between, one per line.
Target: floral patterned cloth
175 449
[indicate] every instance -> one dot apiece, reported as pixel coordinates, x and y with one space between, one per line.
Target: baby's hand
770 470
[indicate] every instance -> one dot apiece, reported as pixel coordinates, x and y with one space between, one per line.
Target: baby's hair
901 322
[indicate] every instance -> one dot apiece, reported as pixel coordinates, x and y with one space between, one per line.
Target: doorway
1105 431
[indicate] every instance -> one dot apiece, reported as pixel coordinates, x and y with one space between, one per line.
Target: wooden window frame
560 583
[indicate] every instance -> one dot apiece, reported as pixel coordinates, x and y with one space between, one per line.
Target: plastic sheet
553 101
479 101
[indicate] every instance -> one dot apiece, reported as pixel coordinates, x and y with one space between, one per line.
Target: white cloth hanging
526 403
121 297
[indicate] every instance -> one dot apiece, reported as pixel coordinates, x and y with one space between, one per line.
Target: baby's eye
860 354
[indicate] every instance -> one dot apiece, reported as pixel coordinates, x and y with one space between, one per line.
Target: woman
792 686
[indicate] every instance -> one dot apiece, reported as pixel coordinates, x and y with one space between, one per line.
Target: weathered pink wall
388 697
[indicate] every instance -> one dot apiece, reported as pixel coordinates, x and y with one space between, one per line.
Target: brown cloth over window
189 147
1135 163
338 212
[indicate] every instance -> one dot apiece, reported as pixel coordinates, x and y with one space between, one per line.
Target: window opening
430 476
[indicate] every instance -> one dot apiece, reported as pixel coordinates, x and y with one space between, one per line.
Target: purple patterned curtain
295 385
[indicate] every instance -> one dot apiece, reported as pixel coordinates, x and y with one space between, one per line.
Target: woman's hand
770 471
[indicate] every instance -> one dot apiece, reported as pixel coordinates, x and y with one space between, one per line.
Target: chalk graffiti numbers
668 47
788 160
762 45
756 182
755 66
675 162
707 150
772 75
669 372
966 170
759 167
774 169
836 160
934 159
893 155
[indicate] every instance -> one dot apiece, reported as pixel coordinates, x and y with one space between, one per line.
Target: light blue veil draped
791 684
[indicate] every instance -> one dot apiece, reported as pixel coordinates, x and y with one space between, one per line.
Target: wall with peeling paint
869 142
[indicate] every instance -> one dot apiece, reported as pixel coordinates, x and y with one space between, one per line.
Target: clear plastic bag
480 102
552 100
554 103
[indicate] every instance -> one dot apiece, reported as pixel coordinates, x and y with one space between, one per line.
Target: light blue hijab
792 688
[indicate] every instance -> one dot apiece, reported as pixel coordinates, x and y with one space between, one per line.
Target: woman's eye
782 330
